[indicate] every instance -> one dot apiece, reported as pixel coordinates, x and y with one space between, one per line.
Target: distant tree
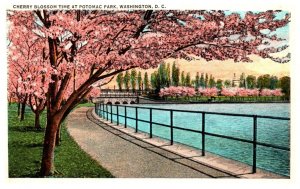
126 80
274 82
264 81
242 81
155 83
162 76
188 81
227 83
120 80
251 81
146 82
168 75
206 81
133 79
285 86
182 80
175 75
219 84
211 82
140 81
202 82
197 81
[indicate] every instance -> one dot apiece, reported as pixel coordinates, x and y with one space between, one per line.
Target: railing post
136 119
106 112
99 109
171 124
100 105
125 116
254 143
111 113
117 115
150 122
203 134
103 111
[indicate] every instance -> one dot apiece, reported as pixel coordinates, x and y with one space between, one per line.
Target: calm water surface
268 130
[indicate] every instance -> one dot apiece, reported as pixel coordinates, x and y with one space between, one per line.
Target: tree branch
63 87
108 81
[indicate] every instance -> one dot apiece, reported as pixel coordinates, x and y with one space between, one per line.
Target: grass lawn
25 151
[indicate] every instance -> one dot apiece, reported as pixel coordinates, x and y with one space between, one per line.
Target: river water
270 131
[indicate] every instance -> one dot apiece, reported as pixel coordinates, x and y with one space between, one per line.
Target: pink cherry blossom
208 91
177 91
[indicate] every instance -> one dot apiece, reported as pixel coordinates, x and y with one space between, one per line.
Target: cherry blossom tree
270 92
177 92
208 91
101 44
27 67
230 91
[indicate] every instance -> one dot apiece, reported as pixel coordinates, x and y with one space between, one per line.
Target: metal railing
104 111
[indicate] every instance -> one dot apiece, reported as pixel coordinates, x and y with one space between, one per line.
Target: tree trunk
58 136
37 124
47 167
19 109
23 111
9 101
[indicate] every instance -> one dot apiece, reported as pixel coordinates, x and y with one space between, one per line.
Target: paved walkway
127 157
133 155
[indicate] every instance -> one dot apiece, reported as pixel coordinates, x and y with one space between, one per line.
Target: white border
163 183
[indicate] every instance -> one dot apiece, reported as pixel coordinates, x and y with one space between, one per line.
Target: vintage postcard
145 89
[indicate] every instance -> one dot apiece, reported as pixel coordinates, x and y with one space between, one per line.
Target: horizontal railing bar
165 125
185 129
145 121
273 117
133 118
212 113
273 146
229 137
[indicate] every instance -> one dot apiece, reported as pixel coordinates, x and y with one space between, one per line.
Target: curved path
127 154
128 157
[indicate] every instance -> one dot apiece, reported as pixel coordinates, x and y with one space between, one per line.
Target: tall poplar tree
202 82
168 75
140 81
146 82
242 80
182 80
120 80
211 82
188 82
175 75
133 79
127 80
197 81
206 81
